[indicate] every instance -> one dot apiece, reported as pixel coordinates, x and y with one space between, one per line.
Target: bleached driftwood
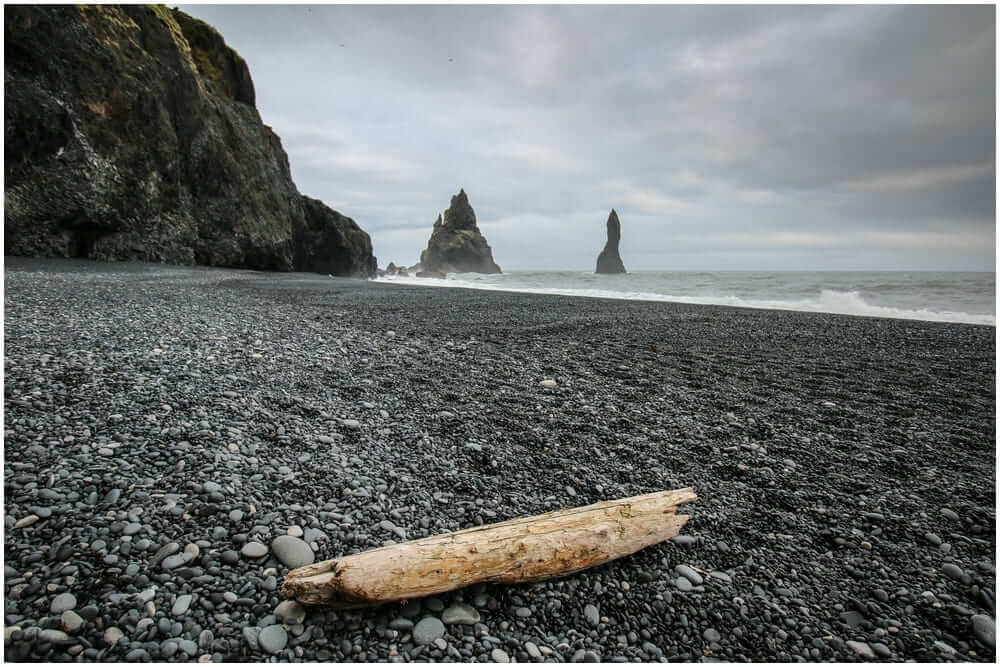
520 550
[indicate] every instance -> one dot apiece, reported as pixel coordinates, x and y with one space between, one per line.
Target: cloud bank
739 137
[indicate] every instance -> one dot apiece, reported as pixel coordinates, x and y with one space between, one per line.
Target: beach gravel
169 432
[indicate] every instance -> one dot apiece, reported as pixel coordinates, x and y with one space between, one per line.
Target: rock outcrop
609 261
456 244
131 134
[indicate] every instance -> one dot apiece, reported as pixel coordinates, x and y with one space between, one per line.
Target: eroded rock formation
131 133
456 244
609 261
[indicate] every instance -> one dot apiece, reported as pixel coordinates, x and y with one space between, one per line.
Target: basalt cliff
456 244
131 133
609 261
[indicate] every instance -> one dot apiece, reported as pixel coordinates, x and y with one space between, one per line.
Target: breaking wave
826 301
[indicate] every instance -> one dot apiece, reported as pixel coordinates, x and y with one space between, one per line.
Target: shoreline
831 302
833 457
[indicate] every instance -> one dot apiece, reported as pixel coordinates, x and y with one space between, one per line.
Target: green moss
167 18
108 24
204 42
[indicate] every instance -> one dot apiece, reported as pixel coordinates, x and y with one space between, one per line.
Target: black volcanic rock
131 134
609 261
456 244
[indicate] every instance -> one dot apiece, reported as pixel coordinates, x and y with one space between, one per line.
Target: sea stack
456 244
131 133
609 261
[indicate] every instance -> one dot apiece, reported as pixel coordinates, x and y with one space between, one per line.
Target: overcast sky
727 137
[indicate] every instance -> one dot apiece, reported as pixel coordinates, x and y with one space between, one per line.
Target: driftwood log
520 550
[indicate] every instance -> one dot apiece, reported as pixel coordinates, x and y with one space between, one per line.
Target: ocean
917 295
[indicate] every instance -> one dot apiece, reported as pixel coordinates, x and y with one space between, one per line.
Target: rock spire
609 261
456 244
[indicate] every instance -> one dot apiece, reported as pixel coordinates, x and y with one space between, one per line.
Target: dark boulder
456 244
131 134
609 261
327 242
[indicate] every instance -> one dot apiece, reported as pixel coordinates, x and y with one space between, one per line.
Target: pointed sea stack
456 244
609 261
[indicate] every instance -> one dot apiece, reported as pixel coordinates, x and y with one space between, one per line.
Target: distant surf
929 296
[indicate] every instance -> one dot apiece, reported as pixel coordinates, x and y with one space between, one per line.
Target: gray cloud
726 137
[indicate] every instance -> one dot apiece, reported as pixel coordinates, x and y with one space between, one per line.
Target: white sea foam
826 301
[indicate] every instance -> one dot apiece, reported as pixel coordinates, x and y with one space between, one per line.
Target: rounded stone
70 621
460 614
427 630
63 602
292 551
952 570
689 574
254 550
290 611
272 639
984 628
181 605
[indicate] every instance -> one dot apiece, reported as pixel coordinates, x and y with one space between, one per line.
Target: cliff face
131 133
456 244
609 261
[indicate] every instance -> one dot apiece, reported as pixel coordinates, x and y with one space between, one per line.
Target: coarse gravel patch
165 426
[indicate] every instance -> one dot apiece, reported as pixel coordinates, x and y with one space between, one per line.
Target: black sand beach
845 468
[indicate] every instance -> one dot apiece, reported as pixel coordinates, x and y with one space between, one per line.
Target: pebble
952 570
984 628
949 514
689 574
683 540
181 605
532 650
137 655
292 551
54 636
70 621
711 635
548 384
592 615
881 650
933 539
947 649
62 602
861 648
272 639
401 624
290 611
427 630
173 562
26 521
683 584
188 646
352 424
251 634
112 635
460 614
254 550
169 648
498 655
